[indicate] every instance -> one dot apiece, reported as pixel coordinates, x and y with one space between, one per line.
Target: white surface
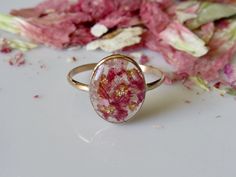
59 134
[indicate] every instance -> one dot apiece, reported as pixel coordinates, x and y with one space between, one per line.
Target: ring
117 86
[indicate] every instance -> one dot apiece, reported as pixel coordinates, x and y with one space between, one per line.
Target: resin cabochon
117 89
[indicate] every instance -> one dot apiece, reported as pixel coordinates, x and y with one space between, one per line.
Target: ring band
117 87
87 67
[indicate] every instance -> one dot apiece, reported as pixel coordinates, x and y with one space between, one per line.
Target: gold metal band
155 71
87 67
76 71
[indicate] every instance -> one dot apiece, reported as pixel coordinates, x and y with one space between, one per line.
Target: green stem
8 23
22 45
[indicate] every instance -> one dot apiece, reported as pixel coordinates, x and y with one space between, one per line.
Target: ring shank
87 67
78 70
155 71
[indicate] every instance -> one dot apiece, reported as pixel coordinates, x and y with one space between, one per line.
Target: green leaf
209 12
200 82
231 91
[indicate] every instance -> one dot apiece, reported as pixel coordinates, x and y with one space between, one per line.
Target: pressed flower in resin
117 89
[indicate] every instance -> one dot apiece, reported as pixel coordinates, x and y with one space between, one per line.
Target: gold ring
117 86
